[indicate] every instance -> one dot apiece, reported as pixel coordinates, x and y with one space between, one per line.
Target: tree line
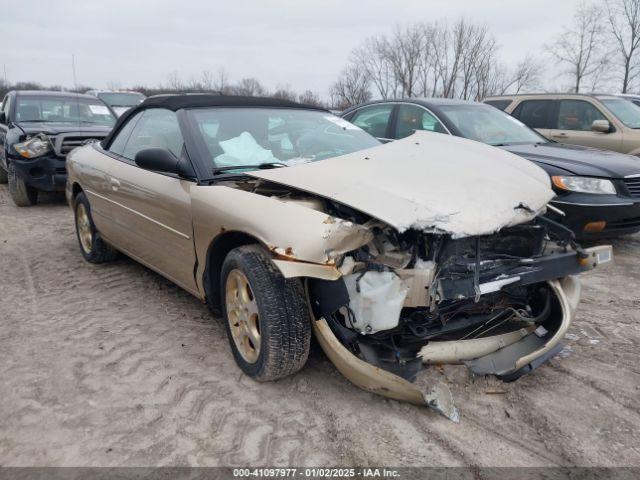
206 82
598 48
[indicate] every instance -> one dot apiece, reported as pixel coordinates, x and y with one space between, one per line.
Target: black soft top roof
194 100
200 100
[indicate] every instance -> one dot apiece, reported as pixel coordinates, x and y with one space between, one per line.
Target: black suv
37 131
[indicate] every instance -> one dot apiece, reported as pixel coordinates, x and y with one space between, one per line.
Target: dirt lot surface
113 365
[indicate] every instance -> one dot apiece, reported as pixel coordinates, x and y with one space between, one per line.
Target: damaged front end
499 304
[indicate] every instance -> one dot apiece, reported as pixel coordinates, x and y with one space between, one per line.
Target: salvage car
37 131
118 100
597 192
288 219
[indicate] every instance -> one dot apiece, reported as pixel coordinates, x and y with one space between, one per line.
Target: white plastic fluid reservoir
378 304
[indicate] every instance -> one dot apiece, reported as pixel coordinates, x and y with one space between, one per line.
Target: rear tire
22 194
266 315
93 248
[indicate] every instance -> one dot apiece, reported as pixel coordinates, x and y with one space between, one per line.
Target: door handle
115 184
560 135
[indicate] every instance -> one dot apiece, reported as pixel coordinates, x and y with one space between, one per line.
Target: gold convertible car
289 220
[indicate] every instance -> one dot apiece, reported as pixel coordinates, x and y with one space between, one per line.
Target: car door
375 120
411 117
536 114
93 175
152 210
573 120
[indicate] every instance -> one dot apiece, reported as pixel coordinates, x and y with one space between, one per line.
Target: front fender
305 242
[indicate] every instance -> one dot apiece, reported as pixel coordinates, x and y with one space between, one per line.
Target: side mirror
162 160
602 126
3 117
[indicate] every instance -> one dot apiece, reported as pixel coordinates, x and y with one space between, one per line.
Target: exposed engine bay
406 299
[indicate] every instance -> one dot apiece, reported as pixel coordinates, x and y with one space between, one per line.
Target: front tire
22 194
266 315
93 248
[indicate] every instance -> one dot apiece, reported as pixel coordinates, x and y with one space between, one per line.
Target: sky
300 44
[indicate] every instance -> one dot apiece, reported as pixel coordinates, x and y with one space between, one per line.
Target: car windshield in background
63 109
121 99
489 125
627 112
246 137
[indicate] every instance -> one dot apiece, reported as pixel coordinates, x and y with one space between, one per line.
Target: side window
577 115
157 128
373 119
118 143
414 117
534 113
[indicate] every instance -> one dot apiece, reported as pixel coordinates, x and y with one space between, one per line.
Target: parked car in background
37 131
598 191
118 100
606 122
288 219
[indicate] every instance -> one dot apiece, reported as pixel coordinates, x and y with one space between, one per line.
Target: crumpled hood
429 182
579 160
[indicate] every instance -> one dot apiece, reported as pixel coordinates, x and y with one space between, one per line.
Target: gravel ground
113 365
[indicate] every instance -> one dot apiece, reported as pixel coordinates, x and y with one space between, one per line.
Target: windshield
627 112
121 99
255 136
489 125
63 109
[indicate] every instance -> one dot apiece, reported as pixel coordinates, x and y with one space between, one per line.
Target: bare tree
581 46
351 88
221 82
207 80
624 23
310 98
174 82
404 52
526 76
285 93
250 87
372 57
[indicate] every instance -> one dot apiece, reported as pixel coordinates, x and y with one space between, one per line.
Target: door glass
373 119
157 128
577 115
534 113
414 117
118 143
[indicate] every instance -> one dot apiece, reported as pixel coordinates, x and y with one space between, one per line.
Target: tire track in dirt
119 367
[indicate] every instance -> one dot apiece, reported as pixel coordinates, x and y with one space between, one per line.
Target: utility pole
73 67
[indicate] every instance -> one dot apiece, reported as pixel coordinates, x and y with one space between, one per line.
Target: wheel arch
217 251
76 189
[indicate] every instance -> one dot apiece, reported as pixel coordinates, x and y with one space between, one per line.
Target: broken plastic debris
441 400
571 336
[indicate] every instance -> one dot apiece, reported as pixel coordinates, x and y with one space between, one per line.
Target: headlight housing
583 184
35 146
